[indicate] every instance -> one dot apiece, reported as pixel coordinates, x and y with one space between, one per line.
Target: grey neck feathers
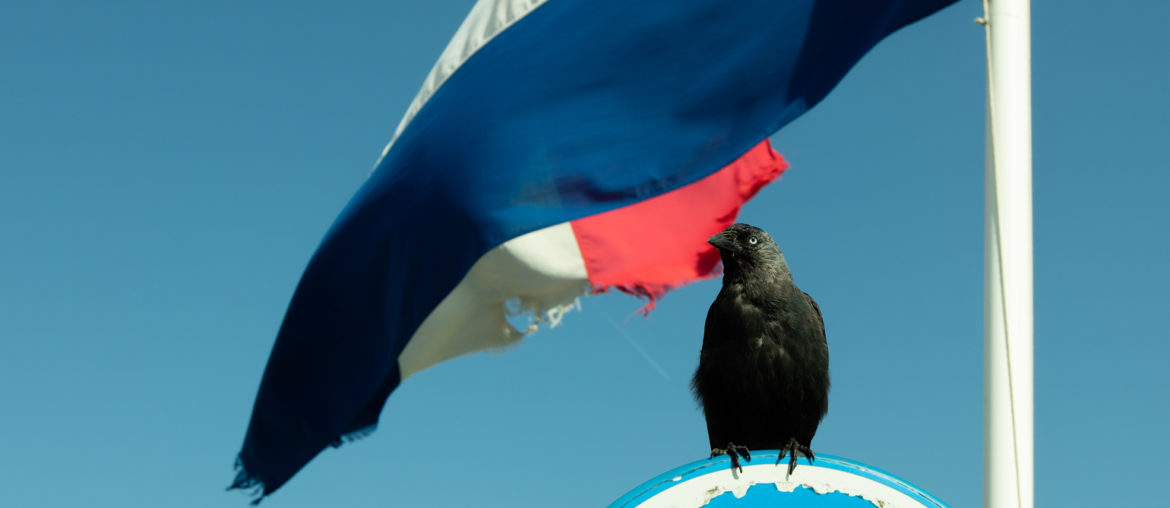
767 265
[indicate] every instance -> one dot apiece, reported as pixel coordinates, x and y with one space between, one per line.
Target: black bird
763 376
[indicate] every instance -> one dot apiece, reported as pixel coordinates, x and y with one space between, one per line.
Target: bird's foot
735 452
794 448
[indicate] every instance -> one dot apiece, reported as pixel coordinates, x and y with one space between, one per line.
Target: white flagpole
1008 418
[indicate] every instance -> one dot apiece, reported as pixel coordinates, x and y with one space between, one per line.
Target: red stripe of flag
656 245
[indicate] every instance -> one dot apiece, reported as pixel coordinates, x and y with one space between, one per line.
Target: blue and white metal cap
828 482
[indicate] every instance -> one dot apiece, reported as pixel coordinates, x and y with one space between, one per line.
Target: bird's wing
820 320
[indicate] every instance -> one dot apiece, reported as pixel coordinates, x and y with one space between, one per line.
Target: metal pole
1008 323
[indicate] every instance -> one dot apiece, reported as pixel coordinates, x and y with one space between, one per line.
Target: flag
556 147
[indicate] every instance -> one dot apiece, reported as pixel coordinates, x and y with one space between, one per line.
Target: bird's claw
795 448
735 452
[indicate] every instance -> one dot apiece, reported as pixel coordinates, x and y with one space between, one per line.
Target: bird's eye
753 240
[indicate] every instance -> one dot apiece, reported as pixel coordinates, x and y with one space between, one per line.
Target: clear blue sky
166 172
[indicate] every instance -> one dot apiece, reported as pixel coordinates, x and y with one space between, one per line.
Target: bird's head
746 248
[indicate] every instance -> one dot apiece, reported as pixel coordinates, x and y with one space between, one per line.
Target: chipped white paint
701 490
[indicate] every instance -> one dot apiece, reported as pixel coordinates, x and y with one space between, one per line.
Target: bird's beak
720 241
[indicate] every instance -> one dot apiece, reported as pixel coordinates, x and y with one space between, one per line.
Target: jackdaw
763 376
